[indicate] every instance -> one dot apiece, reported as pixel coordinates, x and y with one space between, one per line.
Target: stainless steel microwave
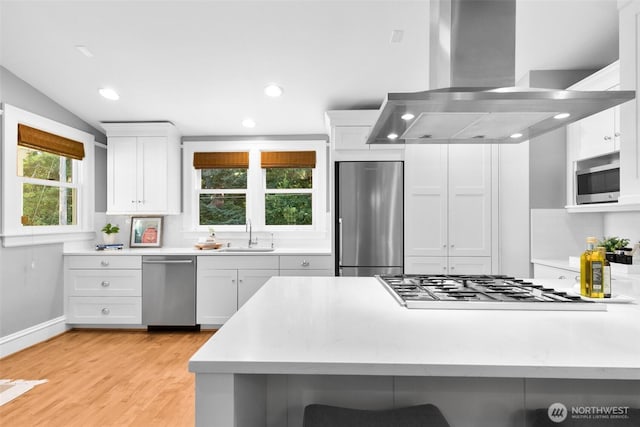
598 180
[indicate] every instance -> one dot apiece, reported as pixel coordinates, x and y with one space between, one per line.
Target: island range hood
472 61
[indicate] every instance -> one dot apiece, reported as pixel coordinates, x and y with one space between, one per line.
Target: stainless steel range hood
472 60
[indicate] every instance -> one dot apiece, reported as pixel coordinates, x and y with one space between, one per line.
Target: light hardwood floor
105 378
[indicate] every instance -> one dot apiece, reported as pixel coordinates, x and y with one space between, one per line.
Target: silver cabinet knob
106 311
453 268
453 246
104 263
616 134
561 277
305 263
105 283
444 268
607 138
444 246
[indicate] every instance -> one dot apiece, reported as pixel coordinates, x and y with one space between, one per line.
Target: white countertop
194 251
353 326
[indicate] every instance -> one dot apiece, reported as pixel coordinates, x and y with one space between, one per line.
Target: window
288 187
47 180
275 189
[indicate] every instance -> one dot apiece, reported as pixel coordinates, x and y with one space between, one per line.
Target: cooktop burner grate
481 292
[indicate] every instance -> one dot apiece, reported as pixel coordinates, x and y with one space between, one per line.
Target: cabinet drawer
104 283
104 261
304 262
255 262
105 310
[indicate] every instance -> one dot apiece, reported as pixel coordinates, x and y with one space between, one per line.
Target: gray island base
346 342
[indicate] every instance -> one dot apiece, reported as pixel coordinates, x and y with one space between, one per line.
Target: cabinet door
351 137
426 200
249 281
469 228
152 174
425 265
597 134
469 265
217 296
121 175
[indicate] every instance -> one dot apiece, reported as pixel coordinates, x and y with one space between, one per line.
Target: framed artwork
146 232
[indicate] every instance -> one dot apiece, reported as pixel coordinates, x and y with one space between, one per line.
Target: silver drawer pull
305 263
106 311
105 283
104 263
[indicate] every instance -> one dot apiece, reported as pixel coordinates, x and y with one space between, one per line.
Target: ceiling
203 64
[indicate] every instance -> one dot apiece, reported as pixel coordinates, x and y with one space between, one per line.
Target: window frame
13 232
256 184
290 191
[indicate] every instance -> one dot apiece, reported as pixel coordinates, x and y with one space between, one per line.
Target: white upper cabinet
143 168
598 134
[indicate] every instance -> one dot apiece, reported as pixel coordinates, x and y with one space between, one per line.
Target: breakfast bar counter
347 341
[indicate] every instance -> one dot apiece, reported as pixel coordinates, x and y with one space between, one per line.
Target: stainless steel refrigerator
369 220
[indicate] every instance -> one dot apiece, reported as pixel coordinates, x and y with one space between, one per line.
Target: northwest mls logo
557 412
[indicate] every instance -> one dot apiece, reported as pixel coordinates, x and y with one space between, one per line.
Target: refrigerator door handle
340 238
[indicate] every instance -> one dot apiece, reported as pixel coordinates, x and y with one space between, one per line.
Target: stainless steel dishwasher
169 291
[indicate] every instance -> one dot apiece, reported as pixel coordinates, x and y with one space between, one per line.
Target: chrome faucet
247 227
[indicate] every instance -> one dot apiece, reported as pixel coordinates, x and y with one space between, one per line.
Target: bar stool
426 415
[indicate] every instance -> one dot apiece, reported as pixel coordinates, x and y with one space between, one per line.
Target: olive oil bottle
606 273
585 267
597 260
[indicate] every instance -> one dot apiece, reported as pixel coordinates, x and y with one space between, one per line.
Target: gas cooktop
481 292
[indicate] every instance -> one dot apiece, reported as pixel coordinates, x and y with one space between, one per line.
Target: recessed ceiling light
392 136
84 50
407 116
273 90
109 93
516 135
561 116
248 123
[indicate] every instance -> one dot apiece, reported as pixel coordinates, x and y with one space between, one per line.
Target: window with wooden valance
288 159
221 160
37 139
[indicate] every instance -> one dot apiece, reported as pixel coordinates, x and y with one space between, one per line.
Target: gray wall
548 153
31 277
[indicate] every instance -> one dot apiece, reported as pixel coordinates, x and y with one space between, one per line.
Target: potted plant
109 232
611 245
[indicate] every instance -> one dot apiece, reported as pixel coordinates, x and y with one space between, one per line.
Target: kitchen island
346 341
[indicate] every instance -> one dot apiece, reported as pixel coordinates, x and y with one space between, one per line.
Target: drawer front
305 262
104 261
104 283
306 273
252 262
105 310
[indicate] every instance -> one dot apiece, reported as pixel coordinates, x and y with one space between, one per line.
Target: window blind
288 159
227 160
37 139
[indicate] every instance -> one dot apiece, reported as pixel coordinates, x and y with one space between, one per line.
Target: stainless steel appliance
169 291
369 230
481 292
598 179
472 74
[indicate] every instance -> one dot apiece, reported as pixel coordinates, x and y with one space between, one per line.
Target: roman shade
288 159
226 160
37 139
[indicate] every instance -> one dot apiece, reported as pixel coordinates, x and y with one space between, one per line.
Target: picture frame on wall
146 232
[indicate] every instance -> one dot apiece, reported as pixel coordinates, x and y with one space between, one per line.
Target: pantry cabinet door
152 174
121 176
217 296
469 200
426 200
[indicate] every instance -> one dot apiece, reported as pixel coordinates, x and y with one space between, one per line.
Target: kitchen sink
244 249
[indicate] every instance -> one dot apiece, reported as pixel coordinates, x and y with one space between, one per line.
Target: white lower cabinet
447 265
225 283
547 272
103 289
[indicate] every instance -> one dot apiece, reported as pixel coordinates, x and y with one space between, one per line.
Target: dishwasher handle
170 261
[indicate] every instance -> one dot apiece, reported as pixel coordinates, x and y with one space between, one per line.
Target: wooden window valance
221 160
37 139
288 159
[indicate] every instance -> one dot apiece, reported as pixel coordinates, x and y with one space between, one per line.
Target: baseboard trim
31 336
